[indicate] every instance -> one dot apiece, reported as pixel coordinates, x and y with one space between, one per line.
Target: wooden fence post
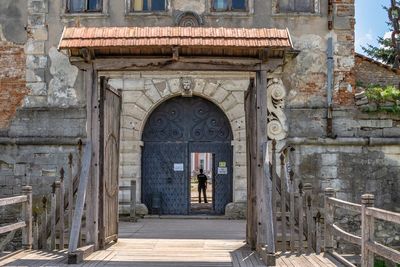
70 191
301 218
27 208
62 209
56 186
329 215
283 201
309 216
133 201
367 230
318 233
291 218
35 230
43 224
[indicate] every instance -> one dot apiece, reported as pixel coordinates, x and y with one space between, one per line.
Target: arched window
229 5
148 5
78 6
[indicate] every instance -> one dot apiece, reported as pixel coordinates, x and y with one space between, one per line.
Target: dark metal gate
175 129
110 108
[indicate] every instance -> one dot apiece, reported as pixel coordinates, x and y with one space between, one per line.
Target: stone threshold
188 217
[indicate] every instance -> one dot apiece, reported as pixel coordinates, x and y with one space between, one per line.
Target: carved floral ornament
277 127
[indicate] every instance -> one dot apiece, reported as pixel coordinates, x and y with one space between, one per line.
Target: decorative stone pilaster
277 126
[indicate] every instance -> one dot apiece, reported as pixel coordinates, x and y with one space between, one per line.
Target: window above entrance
147 5
296 6
82 6
229 5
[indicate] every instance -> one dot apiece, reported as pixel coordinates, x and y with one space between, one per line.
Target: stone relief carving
186 86
277 127
188 19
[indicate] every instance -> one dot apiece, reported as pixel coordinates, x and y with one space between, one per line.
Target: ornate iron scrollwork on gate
187 119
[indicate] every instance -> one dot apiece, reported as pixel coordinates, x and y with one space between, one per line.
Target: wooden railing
26 224
132 201
295 210
369 246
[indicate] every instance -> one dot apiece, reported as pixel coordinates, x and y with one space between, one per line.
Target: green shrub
382 95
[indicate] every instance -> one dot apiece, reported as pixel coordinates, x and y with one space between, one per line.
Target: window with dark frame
291 6
148 5
81 6
229 5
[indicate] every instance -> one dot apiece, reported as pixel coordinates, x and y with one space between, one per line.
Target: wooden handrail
384 251
346 235
369 246
12 227
13 200
344 204
26 224
384 215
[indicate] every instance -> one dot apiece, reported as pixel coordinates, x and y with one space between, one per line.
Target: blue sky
371 21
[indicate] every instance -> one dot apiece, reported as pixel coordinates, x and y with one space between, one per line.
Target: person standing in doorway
202 185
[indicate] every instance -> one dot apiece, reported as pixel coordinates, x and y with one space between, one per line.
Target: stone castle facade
43 96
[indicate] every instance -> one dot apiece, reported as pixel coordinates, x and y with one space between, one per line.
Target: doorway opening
201 199
177 129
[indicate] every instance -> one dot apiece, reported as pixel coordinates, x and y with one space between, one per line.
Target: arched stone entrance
177 128
143 92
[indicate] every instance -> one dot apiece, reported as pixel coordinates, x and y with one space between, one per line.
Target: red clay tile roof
96 37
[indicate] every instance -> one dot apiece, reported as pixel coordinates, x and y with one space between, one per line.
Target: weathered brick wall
368 71
12 81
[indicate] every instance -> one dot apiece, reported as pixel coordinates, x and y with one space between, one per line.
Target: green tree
385 51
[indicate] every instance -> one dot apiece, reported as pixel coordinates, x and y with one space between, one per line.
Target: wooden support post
44 220
329 215
265 216
309 217
133 202
27 208
251 121
367 230
62 209
291 218
301 218
53 215
94 133
80 144
283 201
70 191
318 220
274 182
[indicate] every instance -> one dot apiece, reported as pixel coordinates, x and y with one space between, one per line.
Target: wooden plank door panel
110 109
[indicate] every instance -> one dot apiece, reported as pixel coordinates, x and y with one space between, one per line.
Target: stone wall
369 71
142 92
352 170
35 165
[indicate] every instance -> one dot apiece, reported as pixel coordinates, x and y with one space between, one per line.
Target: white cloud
363 40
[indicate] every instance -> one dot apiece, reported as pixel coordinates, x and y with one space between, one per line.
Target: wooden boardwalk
172 243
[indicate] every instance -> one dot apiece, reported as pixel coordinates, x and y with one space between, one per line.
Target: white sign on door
178 167
222 170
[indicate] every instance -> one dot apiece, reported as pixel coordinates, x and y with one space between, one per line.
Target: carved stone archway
143 92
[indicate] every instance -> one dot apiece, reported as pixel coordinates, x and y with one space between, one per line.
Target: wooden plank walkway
172 243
